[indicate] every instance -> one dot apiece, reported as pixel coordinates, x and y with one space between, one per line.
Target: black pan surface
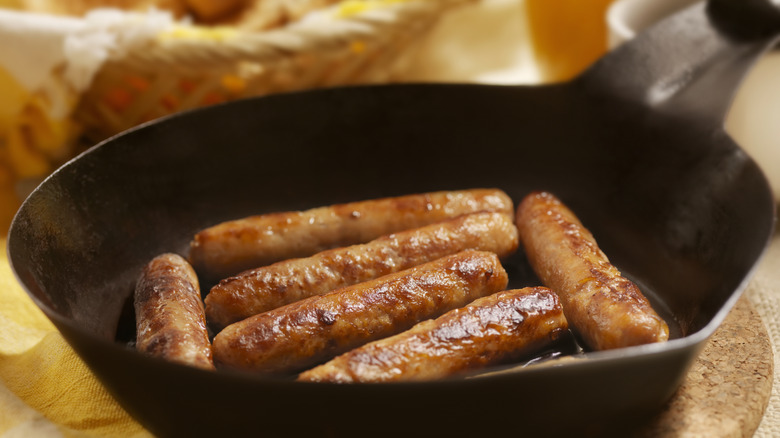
635 147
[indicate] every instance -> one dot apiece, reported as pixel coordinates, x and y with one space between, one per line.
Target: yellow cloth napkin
45 388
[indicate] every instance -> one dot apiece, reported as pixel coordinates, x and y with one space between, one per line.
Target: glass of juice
567 35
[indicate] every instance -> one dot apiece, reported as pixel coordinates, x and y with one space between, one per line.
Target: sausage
268 287
170 318
297 336
234 246
605 308
491 330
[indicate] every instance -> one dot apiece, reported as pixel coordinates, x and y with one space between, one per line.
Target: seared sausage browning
170 319
605 308
268 287
488 331
296 336
231 247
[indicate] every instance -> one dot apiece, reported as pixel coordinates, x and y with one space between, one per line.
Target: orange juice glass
567 35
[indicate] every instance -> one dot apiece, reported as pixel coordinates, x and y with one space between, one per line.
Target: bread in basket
352 42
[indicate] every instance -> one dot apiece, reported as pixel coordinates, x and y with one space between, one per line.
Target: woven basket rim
268 47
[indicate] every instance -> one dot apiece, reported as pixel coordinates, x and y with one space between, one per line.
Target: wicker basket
175 74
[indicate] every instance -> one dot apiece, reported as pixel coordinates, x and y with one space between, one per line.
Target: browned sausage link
170 319
489 331
605 308
268 287
231 247
307 332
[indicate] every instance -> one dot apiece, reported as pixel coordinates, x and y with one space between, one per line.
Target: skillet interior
675 204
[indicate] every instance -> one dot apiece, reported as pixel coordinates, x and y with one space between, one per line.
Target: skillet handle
746 19
690 64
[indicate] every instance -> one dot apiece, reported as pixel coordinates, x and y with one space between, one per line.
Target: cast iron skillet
635 146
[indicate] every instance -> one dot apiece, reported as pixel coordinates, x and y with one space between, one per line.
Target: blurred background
74 73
